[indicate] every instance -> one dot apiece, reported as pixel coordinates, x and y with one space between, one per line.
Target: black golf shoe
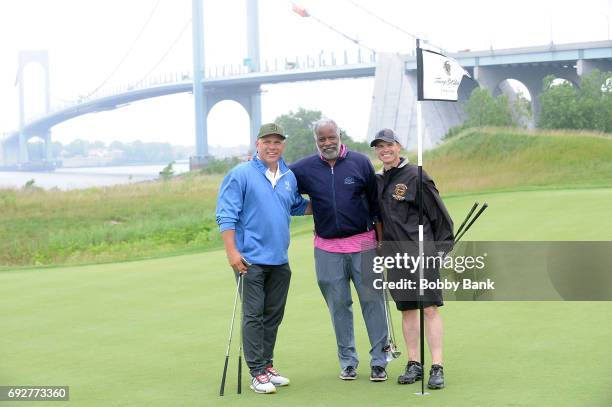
414 372
378 374
348 373
436 377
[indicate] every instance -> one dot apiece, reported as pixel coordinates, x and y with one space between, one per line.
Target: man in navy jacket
341 185
254 208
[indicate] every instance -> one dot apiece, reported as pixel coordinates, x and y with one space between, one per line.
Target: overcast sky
87 39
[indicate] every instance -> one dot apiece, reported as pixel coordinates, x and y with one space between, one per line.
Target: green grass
153 333
158 219
494 159
108 224
563 214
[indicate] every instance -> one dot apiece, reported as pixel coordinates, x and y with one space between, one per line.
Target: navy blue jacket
344 201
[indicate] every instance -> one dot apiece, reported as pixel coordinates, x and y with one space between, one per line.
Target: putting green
153 333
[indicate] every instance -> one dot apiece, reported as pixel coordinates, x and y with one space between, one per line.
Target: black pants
265 296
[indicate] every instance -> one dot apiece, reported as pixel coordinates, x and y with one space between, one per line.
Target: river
80 178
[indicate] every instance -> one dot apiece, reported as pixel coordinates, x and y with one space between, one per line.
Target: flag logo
447 68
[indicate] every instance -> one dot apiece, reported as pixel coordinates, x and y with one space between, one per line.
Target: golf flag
438 76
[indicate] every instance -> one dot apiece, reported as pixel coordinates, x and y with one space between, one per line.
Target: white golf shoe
262 384
275 378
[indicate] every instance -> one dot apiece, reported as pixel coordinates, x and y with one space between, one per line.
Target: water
79 178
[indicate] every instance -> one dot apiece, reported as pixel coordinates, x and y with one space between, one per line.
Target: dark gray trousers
265 296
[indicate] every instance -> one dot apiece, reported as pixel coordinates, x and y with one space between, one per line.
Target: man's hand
235 260
233 255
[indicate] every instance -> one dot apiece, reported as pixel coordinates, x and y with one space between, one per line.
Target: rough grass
496 159
153 219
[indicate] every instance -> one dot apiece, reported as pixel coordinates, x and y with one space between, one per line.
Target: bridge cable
163 57
330 27
129 51
371 13
376 16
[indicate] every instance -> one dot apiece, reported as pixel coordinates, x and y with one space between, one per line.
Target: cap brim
273 134
376 140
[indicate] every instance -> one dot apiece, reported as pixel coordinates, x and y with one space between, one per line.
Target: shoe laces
413 367
436 370
272 371
262 378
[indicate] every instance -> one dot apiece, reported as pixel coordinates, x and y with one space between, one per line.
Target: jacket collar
403 162
262 167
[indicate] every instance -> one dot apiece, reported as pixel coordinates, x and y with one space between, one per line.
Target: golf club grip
467 218
222 390
239 374
485 206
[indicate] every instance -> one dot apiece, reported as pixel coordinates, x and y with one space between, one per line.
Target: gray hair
324 122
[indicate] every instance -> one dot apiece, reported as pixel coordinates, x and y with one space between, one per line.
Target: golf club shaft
467 218
239 390
390 329
484 206
229 342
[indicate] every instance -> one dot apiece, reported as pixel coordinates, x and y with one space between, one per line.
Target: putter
229 342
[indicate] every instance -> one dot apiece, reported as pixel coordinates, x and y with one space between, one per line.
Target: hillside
497 159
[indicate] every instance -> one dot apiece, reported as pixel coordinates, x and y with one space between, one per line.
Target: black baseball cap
385 135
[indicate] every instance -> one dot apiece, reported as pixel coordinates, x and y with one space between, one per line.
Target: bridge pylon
25 58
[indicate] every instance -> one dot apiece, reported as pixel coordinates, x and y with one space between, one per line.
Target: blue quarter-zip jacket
344 201
259 213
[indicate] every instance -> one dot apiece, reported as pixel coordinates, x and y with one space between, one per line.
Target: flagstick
421 237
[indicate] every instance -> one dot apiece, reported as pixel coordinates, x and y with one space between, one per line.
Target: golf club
390 349
482 209
467 218
229 343
239 389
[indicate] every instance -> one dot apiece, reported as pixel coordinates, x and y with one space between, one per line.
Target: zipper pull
332 169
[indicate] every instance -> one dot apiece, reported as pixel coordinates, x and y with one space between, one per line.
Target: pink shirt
352 244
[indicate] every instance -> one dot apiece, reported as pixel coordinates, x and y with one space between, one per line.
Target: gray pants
334 272
265 296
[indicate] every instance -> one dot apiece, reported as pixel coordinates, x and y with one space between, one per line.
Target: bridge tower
254 66
200 102
26 57
206 98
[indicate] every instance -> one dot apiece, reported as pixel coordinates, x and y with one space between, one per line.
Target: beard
330 153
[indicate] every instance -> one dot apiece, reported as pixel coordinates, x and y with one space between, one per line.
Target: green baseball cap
271 128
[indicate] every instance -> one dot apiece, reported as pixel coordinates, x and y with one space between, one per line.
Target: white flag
438 76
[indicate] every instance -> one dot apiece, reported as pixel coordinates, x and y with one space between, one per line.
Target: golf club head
391 352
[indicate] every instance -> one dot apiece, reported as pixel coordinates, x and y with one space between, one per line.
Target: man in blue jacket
254 208
342 187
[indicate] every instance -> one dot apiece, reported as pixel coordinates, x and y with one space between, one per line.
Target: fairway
153 333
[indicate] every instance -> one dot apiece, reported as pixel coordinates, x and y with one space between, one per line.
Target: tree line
587 106
118 152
